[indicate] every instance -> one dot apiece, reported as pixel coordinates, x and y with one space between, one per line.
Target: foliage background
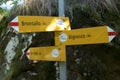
84 62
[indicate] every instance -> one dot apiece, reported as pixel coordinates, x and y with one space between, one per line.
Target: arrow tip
14 24
27 54
111 33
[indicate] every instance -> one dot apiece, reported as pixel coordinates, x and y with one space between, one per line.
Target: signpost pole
62 65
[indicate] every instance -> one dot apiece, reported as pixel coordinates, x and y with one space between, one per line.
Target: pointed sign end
14 24
111 34
27 54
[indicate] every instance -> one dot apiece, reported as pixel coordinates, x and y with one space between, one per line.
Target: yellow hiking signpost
24 24
63 36
102 34
50 53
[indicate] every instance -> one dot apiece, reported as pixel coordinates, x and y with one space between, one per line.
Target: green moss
3 24
15 66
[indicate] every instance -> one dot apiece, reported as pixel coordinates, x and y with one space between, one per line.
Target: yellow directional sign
51 53
40 23
84 36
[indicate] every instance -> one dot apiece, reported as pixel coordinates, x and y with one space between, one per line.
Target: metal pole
61 7
62 65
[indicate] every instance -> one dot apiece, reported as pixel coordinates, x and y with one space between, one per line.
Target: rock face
84 62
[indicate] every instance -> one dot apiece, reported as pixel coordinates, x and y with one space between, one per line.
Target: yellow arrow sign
51 53
85 36
39 23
